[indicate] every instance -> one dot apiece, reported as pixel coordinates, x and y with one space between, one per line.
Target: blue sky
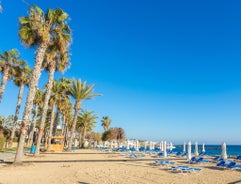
167 69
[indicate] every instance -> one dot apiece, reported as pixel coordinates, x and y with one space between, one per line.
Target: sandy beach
91 166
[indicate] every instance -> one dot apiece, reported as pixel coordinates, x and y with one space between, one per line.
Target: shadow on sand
71 161
236 182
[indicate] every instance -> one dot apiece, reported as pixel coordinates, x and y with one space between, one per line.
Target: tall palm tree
63 100
106 122
54 60
63 103
38 29
21 78
38 102
8 63
65 108
86 122
52 103
58 96
79 91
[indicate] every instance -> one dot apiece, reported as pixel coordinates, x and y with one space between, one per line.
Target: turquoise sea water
232 150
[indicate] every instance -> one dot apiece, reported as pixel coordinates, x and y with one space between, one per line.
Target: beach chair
233 165
185 169
217 159
179 153
160 154
238 157
221 163
163 162
193 160
204 154
178 168
134 155
201 160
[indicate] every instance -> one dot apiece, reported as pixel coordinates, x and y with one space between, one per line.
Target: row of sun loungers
196 160
176 168
228 164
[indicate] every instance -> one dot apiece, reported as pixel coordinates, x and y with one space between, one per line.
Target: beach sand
91 166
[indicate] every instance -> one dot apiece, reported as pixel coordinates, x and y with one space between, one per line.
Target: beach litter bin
33 149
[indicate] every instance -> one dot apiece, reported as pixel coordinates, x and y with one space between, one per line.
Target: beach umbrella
196 149
165 149
162 147
224 151
153 145
127 145
145 145
171 146
137 145
189 151
203 148
184 147
150 145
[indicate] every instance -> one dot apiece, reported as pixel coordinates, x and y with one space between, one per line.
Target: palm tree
65 108
58 96
79 91
38 102
6 122
38 29
54 60
21 78
120 135
52 103
5 132
63 104
106 122
86 122
8 63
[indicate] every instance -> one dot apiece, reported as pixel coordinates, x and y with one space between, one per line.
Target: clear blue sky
167 69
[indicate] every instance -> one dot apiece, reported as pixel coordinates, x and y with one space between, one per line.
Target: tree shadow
72 153
235 182
72 161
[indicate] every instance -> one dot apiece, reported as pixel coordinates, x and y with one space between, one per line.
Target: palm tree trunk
63 125
83 138
45 107
4 81
56 122
20 95
32 128
77 108
36 72
51 128
66 136
80 137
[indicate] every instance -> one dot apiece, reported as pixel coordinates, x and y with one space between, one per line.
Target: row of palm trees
50 34
85 123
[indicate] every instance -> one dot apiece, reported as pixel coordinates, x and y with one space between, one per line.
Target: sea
213 150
